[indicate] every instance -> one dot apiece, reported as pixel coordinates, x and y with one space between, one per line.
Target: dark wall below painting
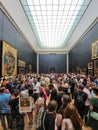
81 54
49 61
10 34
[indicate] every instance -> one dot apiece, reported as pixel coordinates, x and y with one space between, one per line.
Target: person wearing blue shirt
96 81
4 108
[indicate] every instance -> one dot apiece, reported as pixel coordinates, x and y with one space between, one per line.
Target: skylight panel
53 21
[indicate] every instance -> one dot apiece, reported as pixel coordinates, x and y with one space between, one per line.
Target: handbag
94 115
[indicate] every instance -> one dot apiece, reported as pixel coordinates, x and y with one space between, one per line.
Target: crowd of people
57 101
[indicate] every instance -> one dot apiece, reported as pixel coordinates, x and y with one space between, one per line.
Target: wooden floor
27 127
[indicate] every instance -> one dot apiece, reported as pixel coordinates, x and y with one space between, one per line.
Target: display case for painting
9 60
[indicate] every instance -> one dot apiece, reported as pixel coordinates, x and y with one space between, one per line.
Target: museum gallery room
50 38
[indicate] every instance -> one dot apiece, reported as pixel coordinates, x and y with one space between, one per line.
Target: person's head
52 106
39 102
95 89
35 80
16 93
65 100
2 89
72 113
60 88
81 87
41 94
51 86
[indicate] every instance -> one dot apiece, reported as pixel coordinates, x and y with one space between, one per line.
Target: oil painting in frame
25 104
95 49
95 64
90 65
96 67
9 60
21 70
90 72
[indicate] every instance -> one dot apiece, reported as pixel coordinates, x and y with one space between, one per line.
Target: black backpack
80 100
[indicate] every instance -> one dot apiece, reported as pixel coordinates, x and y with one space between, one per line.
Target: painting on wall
9 60
21 63
21 70
95 50
83 71
90 72
95 64
78 69
96 67
90 65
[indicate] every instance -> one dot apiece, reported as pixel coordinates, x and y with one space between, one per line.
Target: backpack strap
44 120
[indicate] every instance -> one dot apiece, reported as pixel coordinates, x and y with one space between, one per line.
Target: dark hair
60 88
95 89
66 100
16 93
41 94
52 106
51 86
80 86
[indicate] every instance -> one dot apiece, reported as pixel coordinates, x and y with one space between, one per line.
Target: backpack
80 100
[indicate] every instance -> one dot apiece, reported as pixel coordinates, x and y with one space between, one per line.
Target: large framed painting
9 60
95 49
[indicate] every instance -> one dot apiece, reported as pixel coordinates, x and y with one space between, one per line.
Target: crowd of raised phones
58 101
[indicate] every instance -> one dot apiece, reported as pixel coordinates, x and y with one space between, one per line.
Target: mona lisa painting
9 60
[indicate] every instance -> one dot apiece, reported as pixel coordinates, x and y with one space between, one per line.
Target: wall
52 60
10 34
81 54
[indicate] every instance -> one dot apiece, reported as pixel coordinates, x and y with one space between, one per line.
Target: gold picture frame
95 64
21 70
83 70
96 67
95 49
25 104
9 60
90 65
90 72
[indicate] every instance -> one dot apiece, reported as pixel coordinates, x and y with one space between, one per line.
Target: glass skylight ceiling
53 21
